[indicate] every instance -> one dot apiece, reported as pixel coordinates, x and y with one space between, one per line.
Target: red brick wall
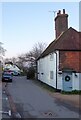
70 60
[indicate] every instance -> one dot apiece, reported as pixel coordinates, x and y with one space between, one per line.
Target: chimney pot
59 11
63 11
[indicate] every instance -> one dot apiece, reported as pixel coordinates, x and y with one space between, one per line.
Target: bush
31 73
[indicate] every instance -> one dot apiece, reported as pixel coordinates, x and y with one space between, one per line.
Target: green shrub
31 73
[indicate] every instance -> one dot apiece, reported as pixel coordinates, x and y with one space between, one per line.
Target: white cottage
59 65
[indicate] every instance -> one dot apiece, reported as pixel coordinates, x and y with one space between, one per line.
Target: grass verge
78 92
44 86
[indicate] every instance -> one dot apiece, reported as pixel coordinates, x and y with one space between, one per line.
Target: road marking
4 112
4 98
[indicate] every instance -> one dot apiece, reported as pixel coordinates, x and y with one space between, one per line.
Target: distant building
9 66
60 64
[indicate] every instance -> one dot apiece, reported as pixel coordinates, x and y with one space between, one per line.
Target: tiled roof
68 40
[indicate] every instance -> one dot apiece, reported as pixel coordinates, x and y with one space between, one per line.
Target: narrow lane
32 101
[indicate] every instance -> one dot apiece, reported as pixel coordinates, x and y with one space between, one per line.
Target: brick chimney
61 22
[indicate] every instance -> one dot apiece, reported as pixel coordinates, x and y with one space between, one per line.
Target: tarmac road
27 100
5 106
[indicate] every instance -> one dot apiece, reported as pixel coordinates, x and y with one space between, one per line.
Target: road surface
30 101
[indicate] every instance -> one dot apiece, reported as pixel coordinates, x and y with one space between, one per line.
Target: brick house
59 65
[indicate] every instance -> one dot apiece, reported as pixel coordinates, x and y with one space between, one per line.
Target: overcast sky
26 23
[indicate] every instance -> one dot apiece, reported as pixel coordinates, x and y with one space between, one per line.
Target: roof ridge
53 45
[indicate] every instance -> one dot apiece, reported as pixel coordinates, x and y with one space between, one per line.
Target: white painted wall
59 81
76 81
59 76
45 65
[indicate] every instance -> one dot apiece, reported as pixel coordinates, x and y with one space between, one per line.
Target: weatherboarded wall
76 81
47 70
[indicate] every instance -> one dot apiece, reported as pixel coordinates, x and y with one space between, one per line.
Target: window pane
51 74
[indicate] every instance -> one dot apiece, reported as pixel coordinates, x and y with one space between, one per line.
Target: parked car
7 77
15 73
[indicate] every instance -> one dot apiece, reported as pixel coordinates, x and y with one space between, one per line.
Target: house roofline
54 42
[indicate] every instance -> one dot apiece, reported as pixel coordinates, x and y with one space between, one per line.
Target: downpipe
56 70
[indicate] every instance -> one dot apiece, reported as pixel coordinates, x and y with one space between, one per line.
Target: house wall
70 60
45 65
59 76
59 81
76 81
80 81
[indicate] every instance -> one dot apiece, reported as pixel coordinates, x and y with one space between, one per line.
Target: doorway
67 81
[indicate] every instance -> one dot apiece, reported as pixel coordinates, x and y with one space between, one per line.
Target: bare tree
38 49
27 61
2 50
30 57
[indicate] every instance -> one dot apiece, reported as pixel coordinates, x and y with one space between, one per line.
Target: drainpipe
56 70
